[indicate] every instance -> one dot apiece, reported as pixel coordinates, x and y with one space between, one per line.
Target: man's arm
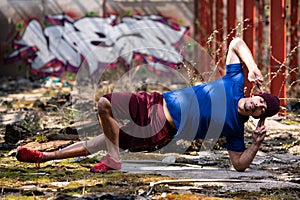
239 52
242 160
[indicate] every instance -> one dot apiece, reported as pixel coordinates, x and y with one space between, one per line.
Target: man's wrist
255 146
252 66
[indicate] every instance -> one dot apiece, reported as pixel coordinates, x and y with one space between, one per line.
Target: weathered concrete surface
225 179
274 124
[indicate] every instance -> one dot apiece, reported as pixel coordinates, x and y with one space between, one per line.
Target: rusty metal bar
205 19
260 33
231 20
205 27
219 37
278 51
294 40
249 34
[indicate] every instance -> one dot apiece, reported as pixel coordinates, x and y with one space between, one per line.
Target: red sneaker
105 164
28 155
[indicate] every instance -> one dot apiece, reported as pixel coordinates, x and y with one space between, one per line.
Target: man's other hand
259 133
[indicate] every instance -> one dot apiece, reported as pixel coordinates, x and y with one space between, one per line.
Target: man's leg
78 149
110 128
109 139
83 148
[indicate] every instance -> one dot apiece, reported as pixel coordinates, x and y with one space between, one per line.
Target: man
202 111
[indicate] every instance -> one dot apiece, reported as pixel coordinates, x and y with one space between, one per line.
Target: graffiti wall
50 37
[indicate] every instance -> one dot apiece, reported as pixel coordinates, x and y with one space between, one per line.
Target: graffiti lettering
98 41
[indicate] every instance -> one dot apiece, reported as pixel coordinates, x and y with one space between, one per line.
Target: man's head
260 105
273 104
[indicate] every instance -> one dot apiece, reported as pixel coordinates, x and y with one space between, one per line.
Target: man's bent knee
104 106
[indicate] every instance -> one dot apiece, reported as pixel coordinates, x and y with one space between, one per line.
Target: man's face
255 106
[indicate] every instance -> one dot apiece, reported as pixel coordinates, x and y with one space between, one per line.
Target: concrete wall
15 15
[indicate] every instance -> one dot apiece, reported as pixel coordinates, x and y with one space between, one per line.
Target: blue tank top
210 110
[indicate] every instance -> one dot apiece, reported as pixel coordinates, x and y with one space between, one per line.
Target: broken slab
11 118
48 146
225 179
